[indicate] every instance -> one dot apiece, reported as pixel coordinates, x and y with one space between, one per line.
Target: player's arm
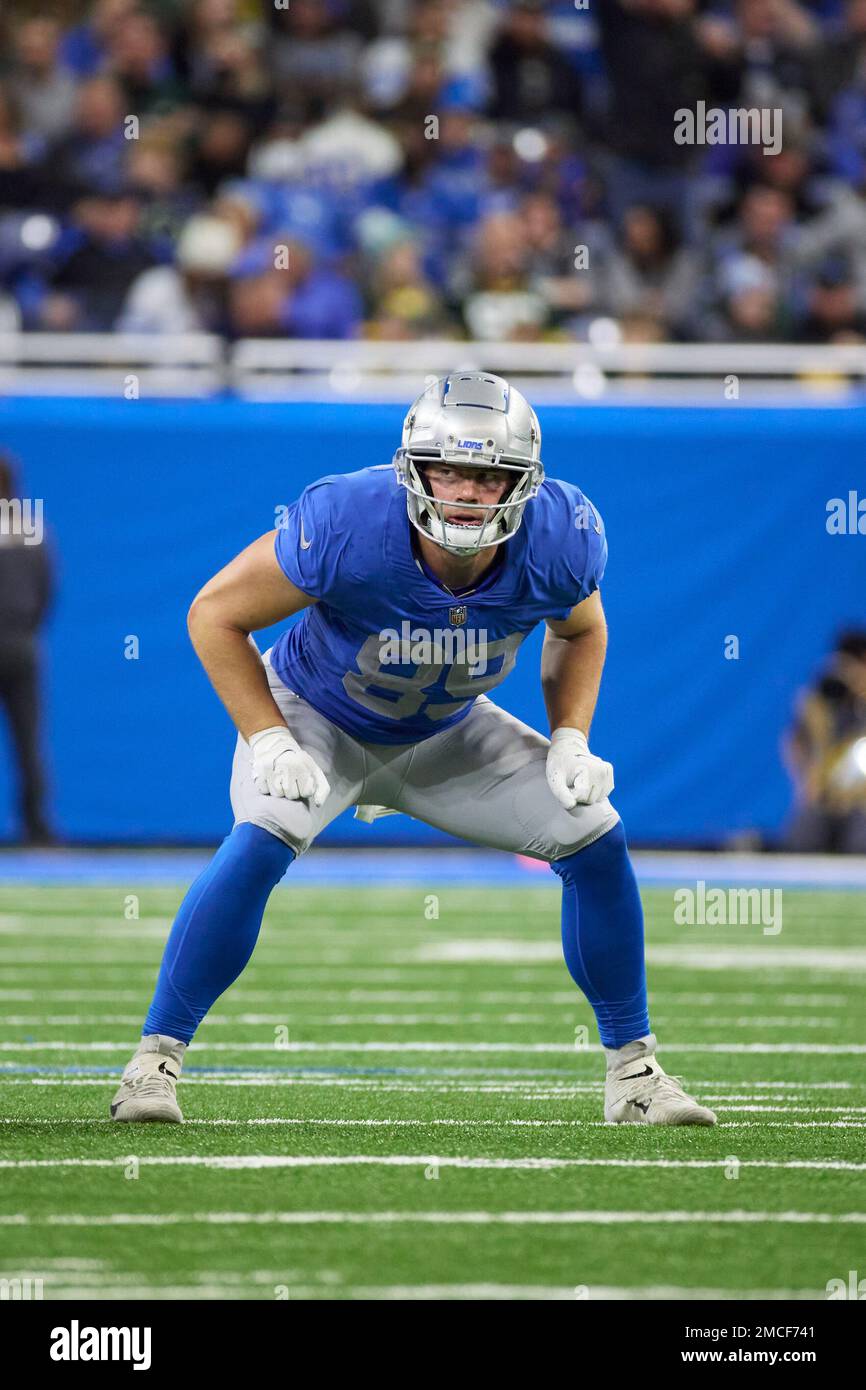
572 660
251 593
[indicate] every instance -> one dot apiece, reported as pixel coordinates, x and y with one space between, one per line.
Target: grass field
387 1106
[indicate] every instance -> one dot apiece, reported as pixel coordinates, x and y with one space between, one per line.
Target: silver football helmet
470 419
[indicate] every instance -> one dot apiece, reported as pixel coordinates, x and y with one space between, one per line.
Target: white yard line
446 1081
242 996
258 1161
438 1218
98 1274
239 1290
449 1121
323 1021
751 953
156 1293
509 1020
789 1109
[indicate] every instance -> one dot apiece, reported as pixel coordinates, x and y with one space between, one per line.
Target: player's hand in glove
575 776
281 768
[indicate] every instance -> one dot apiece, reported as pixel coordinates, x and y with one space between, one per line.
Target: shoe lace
154 1084
659 1085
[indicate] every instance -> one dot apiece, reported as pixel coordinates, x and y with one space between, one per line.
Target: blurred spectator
347 147
751 307
846 135
90 157
555 259
834 310
838 57
404 303
85 46
311 53
302 300
825 753
221 146
138 58
221 62
531 77
754 276
358 127
501 304
653 277
658 61
25 593
22 184
549 246
45 92
777 40
192 295
155 170
88 289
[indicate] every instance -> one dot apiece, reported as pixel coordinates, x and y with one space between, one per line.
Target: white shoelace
659 1085
153 1084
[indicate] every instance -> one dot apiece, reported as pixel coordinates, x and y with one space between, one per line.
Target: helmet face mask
470 420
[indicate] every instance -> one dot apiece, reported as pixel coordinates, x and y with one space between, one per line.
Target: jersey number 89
412 692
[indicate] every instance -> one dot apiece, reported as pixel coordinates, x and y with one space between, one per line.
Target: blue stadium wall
716 521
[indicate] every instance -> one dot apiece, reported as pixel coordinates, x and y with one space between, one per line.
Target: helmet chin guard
470 419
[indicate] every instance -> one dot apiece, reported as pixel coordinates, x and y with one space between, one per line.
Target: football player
417 584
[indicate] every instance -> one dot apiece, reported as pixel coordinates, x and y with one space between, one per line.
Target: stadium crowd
400 169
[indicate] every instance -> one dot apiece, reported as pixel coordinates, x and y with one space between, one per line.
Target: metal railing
125 365
202 365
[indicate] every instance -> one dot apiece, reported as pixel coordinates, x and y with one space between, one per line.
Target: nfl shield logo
457 616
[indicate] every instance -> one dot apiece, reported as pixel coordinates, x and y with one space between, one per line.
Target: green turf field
393 1106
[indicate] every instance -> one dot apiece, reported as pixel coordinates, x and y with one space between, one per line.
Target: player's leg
603 945
485 781
218 922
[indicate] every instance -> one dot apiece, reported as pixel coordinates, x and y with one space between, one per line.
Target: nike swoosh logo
639 1105
647 1071
165 1071
305 544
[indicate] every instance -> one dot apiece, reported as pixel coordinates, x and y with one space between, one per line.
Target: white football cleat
148 1087
639 1091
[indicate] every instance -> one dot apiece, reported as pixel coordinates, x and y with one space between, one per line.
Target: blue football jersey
387 652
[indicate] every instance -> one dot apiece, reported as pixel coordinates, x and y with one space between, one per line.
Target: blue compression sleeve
216 929
602 936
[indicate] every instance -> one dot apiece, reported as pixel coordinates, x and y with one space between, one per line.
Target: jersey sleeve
310 541
578 551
